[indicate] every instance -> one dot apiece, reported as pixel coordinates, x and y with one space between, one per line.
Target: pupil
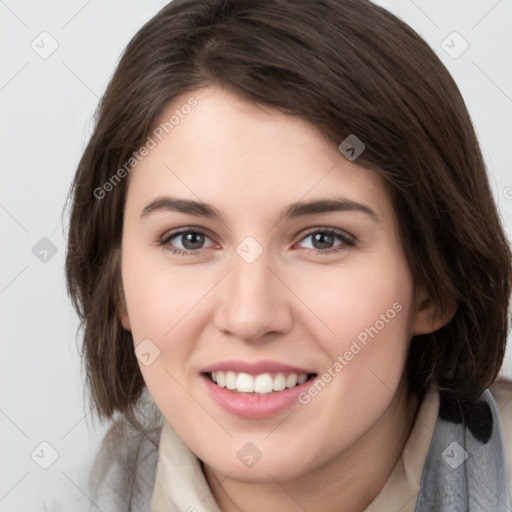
193 238
321 237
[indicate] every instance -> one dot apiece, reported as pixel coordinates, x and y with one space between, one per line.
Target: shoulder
123 471
501 391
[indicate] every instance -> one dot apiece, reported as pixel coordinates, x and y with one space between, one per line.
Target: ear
125 321
429 316
122 311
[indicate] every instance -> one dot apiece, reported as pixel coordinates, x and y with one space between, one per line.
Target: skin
296 303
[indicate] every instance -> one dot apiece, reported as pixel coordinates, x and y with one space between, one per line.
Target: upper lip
254 367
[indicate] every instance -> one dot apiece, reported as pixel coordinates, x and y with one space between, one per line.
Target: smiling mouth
261 384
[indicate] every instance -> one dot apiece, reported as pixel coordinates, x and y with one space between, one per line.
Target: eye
323 240
191 241
187 241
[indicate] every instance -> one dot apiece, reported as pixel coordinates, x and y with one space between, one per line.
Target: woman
291 274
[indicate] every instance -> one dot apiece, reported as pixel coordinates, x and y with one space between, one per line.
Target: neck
347 483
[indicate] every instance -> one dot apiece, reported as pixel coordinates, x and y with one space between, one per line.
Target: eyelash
347 241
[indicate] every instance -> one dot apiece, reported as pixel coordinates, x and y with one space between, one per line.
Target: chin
264 470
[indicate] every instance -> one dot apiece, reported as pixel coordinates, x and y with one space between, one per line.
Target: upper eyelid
181 231
327 229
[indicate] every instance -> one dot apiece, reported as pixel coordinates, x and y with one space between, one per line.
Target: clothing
169 478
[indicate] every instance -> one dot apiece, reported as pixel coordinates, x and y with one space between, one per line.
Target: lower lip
254 406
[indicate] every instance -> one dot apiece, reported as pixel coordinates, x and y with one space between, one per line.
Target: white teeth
279 382
261 384
221 379
231 380
291 380
244 383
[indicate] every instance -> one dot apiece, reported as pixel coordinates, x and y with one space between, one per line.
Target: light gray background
46 111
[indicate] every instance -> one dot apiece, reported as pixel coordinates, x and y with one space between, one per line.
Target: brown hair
347 67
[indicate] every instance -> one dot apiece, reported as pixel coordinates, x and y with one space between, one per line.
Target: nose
253 302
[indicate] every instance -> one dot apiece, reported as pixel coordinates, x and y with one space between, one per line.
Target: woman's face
253 246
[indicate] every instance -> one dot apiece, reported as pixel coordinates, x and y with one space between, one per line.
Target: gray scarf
465 469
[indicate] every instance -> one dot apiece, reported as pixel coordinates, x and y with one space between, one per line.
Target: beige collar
400 492
180 485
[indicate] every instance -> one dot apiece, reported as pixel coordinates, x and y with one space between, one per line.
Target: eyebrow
295 210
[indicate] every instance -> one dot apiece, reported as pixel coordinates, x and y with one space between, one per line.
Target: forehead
226 150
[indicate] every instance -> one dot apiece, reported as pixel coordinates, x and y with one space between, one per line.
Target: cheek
163 307
155 305
358 304
157 299
369 312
